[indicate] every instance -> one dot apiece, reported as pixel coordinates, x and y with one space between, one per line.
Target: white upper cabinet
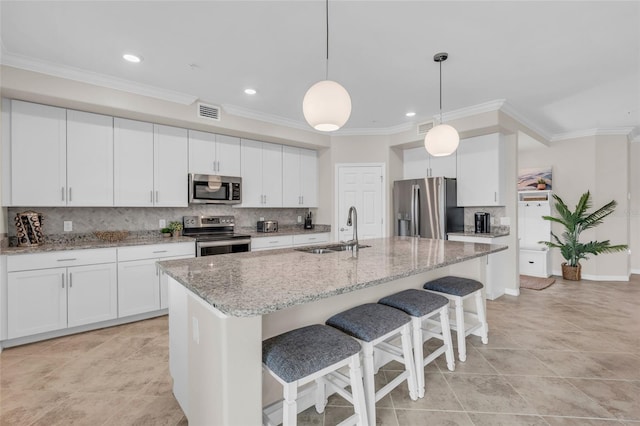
213 154
417 163
38 155
481 163
171 165
60 157
133 164
89 159
299 177
261 174
151 164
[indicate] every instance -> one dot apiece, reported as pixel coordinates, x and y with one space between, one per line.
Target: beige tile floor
567 355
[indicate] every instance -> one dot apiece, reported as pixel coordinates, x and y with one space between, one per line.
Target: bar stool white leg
290 407
460 331
359 405
369 381
408 356
446 334
418 353
321 398
482 317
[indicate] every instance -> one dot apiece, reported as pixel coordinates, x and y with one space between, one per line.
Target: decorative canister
29 228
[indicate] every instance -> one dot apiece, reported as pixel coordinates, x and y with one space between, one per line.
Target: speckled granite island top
257 283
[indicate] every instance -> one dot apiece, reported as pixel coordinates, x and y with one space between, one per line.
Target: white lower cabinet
141 285
49 299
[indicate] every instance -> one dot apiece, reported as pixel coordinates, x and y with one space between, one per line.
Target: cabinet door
291 182
480 176
309 177
443 166
38 155
415 163
36 302
272 174
89 159
92 294
133 163
227 155
138 287
171 166
202 153
251 160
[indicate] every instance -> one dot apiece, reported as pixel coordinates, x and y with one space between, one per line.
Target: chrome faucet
353 214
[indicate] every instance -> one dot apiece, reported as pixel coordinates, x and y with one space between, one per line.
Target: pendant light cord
327 32
440 92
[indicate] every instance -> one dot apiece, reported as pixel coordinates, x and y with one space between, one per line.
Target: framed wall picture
538 178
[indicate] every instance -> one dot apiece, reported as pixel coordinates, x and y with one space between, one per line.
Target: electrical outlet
68 226
162 223
299 219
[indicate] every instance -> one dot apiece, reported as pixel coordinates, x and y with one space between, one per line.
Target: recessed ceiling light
250 91
132 58
410 114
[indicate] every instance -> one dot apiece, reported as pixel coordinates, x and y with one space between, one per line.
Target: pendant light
326 105
442 139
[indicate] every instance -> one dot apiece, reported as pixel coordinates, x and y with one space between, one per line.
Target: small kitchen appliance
482 222
215 235
267 226
214 189
308 223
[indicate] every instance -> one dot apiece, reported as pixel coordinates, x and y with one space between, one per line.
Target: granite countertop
257 283
85 243
283 230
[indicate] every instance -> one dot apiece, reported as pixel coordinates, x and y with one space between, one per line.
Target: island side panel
224 367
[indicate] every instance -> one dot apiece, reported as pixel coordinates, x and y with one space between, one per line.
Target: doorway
362 186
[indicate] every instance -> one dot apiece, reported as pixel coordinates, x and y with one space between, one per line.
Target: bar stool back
311 353
459 289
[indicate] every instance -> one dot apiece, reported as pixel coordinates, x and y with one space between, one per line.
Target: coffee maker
483 223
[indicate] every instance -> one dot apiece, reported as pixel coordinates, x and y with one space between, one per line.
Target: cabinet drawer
303 239
156 251
271 242
534 263
24 262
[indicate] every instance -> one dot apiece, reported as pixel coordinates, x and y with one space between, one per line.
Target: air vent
209 112
423 128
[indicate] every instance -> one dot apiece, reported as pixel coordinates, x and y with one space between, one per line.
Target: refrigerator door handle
415 210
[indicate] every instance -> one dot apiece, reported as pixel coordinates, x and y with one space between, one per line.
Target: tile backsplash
496 213
89 219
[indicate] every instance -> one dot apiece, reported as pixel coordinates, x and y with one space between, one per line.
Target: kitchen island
222 307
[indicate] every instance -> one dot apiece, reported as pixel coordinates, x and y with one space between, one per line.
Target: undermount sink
329 248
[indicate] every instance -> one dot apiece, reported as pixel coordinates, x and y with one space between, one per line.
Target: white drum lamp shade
441 140
326 106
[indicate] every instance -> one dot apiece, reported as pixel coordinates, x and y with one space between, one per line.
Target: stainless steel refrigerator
427 208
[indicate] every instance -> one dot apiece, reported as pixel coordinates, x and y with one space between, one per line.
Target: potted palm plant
574 223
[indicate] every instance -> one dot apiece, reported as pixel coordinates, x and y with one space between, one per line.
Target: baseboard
635 271
591 277
512 291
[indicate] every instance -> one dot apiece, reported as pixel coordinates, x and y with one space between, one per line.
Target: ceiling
563 66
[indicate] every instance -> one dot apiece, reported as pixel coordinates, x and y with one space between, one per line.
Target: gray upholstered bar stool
459 289
315 353
423 307
374 325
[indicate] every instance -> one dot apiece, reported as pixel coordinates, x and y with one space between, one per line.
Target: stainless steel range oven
215 235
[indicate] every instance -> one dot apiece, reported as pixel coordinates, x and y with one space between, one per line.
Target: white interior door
360 186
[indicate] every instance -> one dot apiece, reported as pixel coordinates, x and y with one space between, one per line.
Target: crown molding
465 112
89 77
508 109
380 131
268 118
634 135
614 131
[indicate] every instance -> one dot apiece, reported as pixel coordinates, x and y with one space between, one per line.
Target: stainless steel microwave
214 189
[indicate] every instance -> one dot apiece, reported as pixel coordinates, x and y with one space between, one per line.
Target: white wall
597 164
634 206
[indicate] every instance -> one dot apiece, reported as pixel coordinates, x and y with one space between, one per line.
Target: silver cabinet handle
151 195
302 199
69 193
495 196
70 279
67 259
214 166
160 251
62 277
157 196
273 242
217 166
62 191
265 199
